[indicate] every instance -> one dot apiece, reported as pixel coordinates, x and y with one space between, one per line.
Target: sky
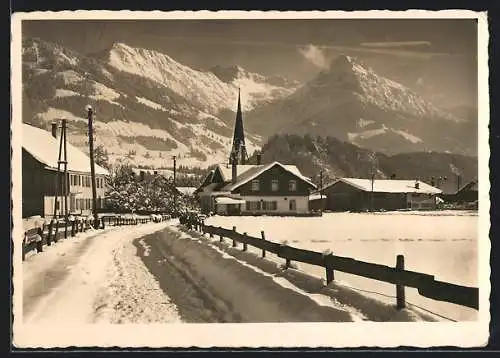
297 49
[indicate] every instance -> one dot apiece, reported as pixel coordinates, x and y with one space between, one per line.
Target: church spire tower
238 152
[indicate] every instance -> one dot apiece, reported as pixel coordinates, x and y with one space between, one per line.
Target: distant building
468 193
239 188
353 194
186 190
40 153
145 174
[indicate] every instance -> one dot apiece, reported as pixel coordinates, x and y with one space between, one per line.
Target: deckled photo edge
298 335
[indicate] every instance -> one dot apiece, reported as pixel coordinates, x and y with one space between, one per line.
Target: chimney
54 129
417 184
234 172
259 157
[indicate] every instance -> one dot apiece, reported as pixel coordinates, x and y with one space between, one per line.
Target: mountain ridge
346 93
138 118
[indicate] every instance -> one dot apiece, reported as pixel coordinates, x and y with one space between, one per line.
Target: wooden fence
426 285
38 237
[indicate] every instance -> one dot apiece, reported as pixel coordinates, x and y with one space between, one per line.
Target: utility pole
174 157
58 177
371 193
92 166
321 190
65 162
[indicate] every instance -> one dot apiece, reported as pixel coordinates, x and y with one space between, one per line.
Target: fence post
49 233
288 261
221 238
66 228
57 230
263 238
23 248
245 244
234 241
103 223
330 275
400 290
73 227
39 244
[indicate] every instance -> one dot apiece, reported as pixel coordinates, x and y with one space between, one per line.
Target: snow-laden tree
154 194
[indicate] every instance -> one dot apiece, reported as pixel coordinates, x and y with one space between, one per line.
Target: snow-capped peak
347 72
204 89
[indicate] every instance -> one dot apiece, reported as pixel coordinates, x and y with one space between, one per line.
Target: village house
238 188
271 189
354 194
40 153
145 174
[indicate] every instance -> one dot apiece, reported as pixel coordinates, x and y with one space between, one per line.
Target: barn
40 153
355 194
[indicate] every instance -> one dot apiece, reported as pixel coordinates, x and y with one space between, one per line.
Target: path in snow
207 286
94 277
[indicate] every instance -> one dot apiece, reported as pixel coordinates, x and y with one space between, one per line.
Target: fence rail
426 284
48 233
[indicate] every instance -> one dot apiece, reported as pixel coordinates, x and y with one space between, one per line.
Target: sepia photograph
239 179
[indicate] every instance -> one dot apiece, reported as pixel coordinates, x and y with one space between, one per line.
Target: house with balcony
43 189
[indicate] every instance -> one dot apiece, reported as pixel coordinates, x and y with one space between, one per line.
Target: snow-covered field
443 244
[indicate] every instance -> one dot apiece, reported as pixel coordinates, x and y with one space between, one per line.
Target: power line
391 296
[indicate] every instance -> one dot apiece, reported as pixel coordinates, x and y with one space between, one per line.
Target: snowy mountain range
351 102
148 106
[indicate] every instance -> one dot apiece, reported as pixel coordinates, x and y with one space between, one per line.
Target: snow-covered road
162 273
94 277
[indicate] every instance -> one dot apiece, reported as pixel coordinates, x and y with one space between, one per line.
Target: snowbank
358 305
441 243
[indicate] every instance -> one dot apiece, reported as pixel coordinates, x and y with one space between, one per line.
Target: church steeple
238 151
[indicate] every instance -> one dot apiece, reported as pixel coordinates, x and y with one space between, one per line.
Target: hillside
342 159
148 106
353 103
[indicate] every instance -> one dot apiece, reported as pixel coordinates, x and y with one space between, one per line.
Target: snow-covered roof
186 190
226 200
45 148
164 172
391 186
316 197
226 170
257 170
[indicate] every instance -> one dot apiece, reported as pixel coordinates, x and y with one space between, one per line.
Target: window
269 205
292 185
253 205
255 185
274 185
292 205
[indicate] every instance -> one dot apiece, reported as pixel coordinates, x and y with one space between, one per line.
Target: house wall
282 204
265 181
39 190
33 176
344 197
421 201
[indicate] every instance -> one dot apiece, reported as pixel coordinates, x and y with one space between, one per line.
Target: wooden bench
33 239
